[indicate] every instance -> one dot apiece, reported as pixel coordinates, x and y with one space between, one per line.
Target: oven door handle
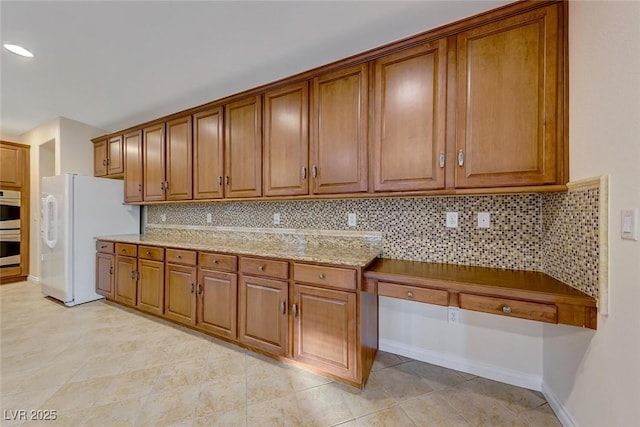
50 221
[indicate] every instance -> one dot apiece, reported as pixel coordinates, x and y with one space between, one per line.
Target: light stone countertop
325 247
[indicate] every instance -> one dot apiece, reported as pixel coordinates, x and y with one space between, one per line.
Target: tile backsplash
412 228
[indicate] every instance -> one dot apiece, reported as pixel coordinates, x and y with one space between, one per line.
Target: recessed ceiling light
18 50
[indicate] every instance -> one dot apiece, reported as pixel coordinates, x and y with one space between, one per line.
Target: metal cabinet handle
321 276
314 171
179 256
132 274
191 288
294 310
137 275
442 158
104 162
506 309
199 289
110 270
214 261
409 294
219 180
304 172
460 158
139 187
166 185
283 308
261 267
103 246
148 252
226 179
162 185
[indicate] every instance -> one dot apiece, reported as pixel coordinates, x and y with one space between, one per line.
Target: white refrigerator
75 210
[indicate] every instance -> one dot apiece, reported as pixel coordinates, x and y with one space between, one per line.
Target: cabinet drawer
325 276
178 256
126 249
513 308
217 261
264 267
104 247
411 293
151 252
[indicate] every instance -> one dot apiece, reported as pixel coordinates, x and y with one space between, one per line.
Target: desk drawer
512 308
178 256
104 247
126 249
411 293
151 252
264 267
325 276
217 261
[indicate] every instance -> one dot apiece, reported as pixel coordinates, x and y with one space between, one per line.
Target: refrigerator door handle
50 213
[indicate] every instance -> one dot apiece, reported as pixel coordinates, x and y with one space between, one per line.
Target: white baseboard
33 279
561 412
493 372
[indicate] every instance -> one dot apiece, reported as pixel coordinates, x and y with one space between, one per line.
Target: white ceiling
113 64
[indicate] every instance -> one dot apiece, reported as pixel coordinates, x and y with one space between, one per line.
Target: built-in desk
513 293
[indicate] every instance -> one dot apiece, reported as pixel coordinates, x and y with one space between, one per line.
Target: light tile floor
104 365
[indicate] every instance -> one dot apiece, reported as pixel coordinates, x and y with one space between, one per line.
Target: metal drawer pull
220 180
148 252
214 261
283 308
179 256
409 294
304 172
103 246
261 268
314 171
191 288
460 158
506 309
320 276
110 270
294 310
199 289
441 160
104 162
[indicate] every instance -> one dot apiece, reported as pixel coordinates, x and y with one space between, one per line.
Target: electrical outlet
209 220
276 218
484 220
352 220
453 315
452 219
629 224
163 217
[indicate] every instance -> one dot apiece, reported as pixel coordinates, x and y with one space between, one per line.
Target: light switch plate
276 218
163 217
352 220
452 219
629 224
484 220
209 220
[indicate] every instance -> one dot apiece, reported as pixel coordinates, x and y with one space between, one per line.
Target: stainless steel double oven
9 228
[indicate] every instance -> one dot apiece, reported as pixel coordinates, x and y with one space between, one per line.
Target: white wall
9 138
594 377
73 152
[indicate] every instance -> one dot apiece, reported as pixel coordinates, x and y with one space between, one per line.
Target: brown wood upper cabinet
286 141
133 167
507 102
243 148
168 160
208 155
12 165
339 111
409 117
108 159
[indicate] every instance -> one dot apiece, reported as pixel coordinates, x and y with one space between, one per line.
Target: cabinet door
11 165
151 286
208 160
179 159
339 131
324 329
409 117
262 317
115 163
179 293
243 148
153 163
99 158
105 278
133 167
286 141
125 284
506 132
217 302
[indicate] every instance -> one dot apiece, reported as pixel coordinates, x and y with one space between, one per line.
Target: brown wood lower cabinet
179 293
105 266
125 283
324 329
262 314
217 302
150 286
